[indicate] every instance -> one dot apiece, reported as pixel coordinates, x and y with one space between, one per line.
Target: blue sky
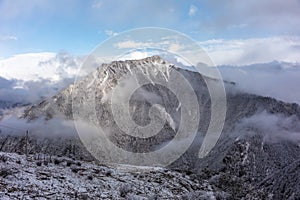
78 26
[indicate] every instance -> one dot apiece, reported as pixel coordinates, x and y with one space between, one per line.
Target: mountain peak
154 58
151 65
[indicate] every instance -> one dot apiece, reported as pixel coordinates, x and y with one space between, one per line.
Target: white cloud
192 11
110 33
174 47
136 55
279 80
253 50
37 66
133 44
8 37
18 91
28 77
273 127
25 66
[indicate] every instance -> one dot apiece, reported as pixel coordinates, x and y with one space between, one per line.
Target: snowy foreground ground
64 178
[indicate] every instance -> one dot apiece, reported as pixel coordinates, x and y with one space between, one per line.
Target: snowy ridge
64 178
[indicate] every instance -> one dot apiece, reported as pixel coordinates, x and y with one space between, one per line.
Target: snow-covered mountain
258 145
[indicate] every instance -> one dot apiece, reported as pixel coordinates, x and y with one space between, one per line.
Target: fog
26 78
274 128
16 91
13 125
279 80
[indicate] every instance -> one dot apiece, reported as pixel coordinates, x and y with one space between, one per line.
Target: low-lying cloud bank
16 91
13 125
279 80
27 78
40 66
274 128
241 52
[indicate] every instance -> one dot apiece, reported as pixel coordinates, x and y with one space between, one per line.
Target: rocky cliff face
259 144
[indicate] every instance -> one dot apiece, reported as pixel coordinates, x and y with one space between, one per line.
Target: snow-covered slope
44 177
